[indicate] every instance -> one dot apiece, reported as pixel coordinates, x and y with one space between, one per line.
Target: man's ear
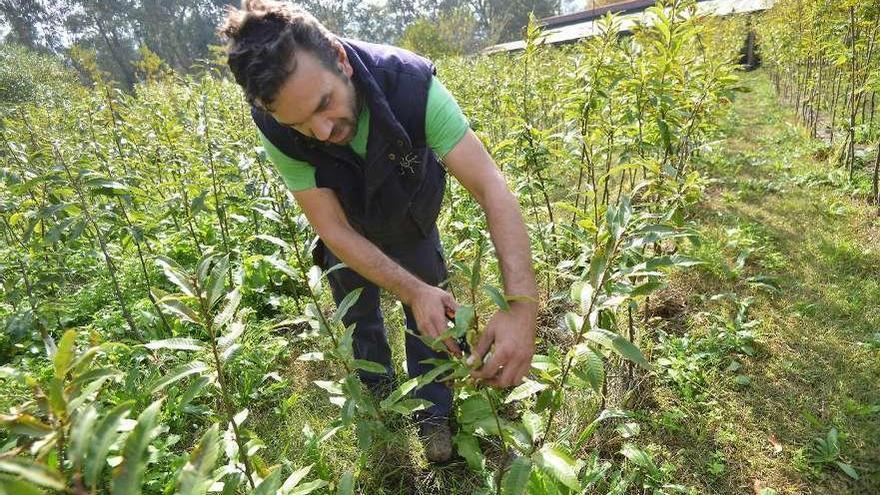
342 59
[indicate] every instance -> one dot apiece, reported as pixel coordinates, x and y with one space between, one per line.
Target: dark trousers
424 259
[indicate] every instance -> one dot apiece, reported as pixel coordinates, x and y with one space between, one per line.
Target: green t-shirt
445 125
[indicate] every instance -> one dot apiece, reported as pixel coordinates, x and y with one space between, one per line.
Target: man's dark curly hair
264 37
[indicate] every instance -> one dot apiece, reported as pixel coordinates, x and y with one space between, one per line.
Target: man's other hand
513 334
430 306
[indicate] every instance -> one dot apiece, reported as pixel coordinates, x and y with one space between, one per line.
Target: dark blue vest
395 194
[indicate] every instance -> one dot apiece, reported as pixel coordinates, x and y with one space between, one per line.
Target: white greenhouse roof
590 28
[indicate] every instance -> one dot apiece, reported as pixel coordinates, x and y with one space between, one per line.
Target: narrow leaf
64 354
370 366
346 304
295 478
195 478
81 435
33 472
176 344
104 437
176 374
270 485
497 297
128 475
177 276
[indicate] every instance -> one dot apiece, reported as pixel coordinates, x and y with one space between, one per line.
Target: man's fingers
450 303
453 347
438 328
485 343
510 376
490 368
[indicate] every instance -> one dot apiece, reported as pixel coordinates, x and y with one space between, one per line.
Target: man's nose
322 128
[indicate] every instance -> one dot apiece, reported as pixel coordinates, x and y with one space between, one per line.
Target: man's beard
355 105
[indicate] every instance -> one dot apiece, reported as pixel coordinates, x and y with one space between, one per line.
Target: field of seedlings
706 242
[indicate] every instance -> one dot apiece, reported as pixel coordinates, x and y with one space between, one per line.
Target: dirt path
781 227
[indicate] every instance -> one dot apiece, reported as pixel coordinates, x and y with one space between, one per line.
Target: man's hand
513 334
430 305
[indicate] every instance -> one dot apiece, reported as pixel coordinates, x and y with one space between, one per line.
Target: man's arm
513 332
428 303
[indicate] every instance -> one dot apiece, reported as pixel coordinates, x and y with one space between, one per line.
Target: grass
807 252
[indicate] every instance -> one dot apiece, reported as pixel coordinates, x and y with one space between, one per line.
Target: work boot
436 437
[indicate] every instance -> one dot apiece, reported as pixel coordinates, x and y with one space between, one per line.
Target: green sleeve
296 174
445 124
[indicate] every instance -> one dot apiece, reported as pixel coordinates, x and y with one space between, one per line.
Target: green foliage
152 224
30 77
451 34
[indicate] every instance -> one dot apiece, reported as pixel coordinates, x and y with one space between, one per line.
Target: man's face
317 102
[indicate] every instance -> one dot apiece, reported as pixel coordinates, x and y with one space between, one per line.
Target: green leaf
106 186
849 470
176 344
408 406
217 281
82 362
346 304
33 472
57 399
333 388
270 485
469 447
193 390
274 240
176 274
528 388
82 435
195 477
346 484
281 265
17 486
402 390
474 408
128 475
294 479
582 293
464 315
559 464
574 322
435 372
497 297
176 374
594 369
64 354
516 479
178 308
534 425
25 424
314 276
628 350
647 288
105 435
370 366
309 487
639 457
233 299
